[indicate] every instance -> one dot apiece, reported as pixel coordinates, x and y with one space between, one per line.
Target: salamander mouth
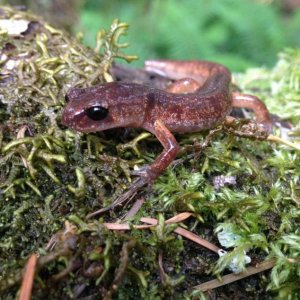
75 122
70 118
64 118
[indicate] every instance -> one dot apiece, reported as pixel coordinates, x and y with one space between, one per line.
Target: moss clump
50 176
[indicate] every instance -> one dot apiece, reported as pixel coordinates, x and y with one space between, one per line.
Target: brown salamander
199 99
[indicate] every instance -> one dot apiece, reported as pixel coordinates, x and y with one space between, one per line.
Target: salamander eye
97 113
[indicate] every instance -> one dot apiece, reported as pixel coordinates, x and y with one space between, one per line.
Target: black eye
67 98
97 113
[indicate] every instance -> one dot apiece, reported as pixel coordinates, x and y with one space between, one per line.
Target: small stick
135 208
187 234
27 283
215 283
127 196
162 272
277 139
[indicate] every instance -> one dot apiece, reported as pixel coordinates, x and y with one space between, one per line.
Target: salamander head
103 107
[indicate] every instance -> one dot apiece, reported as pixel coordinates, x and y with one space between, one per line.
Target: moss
50 176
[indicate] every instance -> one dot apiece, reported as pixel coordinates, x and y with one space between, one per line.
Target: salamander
199 99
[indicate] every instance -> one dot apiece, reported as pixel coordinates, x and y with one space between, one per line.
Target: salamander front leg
259 108
171 148
149 173
170 151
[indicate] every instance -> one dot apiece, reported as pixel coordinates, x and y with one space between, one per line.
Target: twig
27 283
135 208
212 284
179 230
127 196
277 139
162 273
187 234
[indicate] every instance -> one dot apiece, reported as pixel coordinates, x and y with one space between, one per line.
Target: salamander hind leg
259 108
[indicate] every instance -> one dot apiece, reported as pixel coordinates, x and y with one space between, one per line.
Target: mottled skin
199 99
